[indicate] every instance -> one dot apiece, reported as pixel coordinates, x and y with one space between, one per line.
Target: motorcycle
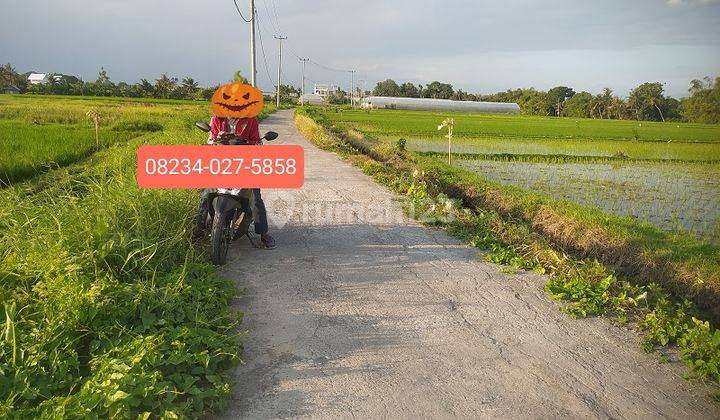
227 211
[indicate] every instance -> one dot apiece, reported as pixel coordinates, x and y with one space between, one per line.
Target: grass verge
108 308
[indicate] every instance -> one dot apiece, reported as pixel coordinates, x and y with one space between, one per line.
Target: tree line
646 102
164 87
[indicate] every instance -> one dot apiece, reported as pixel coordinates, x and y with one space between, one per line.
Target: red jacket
247 129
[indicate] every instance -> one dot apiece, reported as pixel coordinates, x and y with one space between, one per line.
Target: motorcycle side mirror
203 126
270 136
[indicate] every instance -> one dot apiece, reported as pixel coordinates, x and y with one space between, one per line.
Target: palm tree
602 104
51 83
165 86
653 102
145 88
7 74
189 87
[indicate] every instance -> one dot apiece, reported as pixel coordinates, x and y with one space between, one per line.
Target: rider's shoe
267 241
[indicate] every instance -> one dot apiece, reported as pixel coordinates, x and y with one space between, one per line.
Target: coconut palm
189 87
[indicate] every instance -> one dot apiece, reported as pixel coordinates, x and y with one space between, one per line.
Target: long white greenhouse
427 104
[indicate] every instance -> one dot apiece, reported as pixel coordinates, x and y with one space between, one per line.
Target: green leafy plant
665 324
700 349
586 286
108 309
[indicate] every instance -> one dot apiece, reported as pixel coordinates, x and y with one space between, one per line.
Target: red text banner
269 166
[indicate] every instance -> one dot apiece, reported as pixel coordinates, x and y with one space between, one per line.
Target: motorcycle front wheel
220 238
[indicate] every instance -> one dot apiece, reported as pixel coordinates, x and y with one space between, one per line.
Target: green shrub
107 308
149 126
700 349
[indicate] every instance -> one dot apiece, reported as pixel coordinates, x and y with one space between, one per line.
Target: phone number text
220 166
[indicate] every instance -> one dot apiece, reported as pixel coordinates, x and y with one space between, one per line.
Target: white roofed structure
429 104
37 78
312 99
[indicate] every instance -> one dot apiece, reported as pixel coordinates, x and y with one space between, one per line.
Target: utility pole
253 67
279 38
352 87
302 86
304 60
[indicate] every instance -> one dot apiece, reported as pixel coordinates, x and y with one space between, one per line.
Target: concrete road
363 313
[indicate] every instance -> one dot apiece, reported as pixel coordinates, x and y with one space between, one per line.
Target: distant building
319 95
324 91
42 78
9 89
428 104
321 90
37 78
312 99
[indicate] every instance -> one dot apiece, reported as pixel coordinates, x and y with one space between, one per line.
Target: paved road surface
362 313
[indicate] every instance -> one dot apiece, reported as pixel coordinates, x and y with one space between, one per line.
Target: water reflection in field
634 150
670 196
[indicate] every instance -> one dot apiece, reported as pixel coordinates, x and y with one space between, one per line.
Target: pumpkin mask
237 100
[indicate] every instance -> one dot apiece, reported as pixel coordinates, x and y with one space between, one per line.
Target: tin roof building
429 104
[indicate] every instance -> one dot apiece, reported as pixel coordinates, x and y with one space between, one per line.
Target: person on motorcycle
247 129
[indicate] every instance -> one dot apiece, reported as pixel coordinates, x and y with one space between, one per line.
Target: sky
477 45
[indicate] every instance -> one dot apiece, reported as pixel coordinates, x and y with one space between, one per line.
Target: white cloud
479 45
674 3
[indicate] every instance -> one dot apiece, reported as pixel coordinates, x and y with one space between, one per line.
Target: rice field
689 151
668 174
26 149
671 196
106 307
41 133
421 124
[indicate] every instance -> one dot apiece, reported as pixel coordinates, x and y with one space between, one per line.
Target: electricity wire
240 13
262 49
277 18
275 26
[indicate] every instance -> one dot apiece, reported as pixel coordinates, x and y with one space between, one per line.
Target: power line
275 16
328 68
267 10
277 19
262 48
267 68
240 13
293 52
269 17
276 27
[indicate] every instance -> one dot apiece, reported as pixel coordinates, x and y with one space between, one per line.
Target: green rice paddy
665 174
41 133
106 307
